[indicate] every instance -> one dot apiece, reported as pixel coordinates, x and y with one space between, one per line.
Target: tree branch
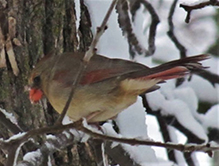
153 27
119 155
13 143
134 5
211 77
8 123
125 25
52 144
171 33
100 31
190 8
180 147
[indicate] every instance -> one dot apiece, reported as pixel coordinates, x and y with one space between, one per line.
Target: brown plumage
107 87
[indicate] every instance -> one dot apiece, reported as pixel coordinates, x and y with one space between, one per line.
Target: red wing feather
175 72
99 75
90 77
64 77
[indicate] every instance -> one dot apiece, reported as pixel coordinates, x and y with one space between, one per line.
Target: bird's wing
99 69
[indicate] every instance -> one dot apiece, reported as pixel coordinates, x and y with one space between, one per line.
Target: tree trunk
29 30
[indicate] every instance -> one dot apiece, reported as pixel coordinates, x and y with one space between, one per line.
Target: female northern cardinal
107 86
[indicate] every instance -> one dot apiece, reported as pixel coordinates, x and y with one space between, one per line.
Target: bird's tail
141 82
177 68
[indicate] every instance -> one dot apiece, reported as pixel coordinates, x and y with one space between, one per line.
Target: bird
106 87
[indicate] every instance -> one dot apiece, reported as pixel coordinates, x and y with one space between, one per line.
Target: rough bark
30 29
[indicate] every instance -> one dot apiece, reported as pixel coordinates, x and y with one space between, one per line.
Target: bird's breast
89 99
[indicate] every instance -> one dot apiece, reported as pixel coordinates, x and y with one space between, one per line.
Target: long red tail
176 68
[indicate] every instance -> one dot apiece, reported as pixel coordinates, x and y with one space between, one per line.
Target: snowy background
182 102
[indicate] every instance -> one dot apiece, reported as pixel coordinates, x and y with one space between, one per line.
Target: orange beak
35 95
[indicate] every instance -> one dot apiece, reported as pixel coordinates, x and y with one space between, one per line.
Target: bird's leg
92 115
94 124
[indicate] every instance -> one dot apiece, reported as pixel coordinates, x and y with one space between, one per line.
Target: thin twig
171 34
86 59
125 25
190 8
153 27
100 31
81 70
174 39
134 6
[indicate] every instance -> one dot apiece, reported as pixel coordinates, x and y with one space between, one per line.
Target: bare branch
207 148
125 24
171 34
211 77
190 8
152 32
100 31
134 5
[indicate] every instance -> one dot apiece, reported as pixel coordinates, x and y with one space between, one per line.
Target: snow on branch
191 128
52 144
12 145
207 148
119 155
190 8
9 121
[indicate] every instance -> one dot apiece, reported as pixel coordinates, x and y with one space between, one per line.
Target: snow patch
211 118
181 111
33 157
9 116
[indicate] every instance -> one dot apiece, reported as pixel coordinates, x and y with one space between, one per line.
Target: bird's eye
36 80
